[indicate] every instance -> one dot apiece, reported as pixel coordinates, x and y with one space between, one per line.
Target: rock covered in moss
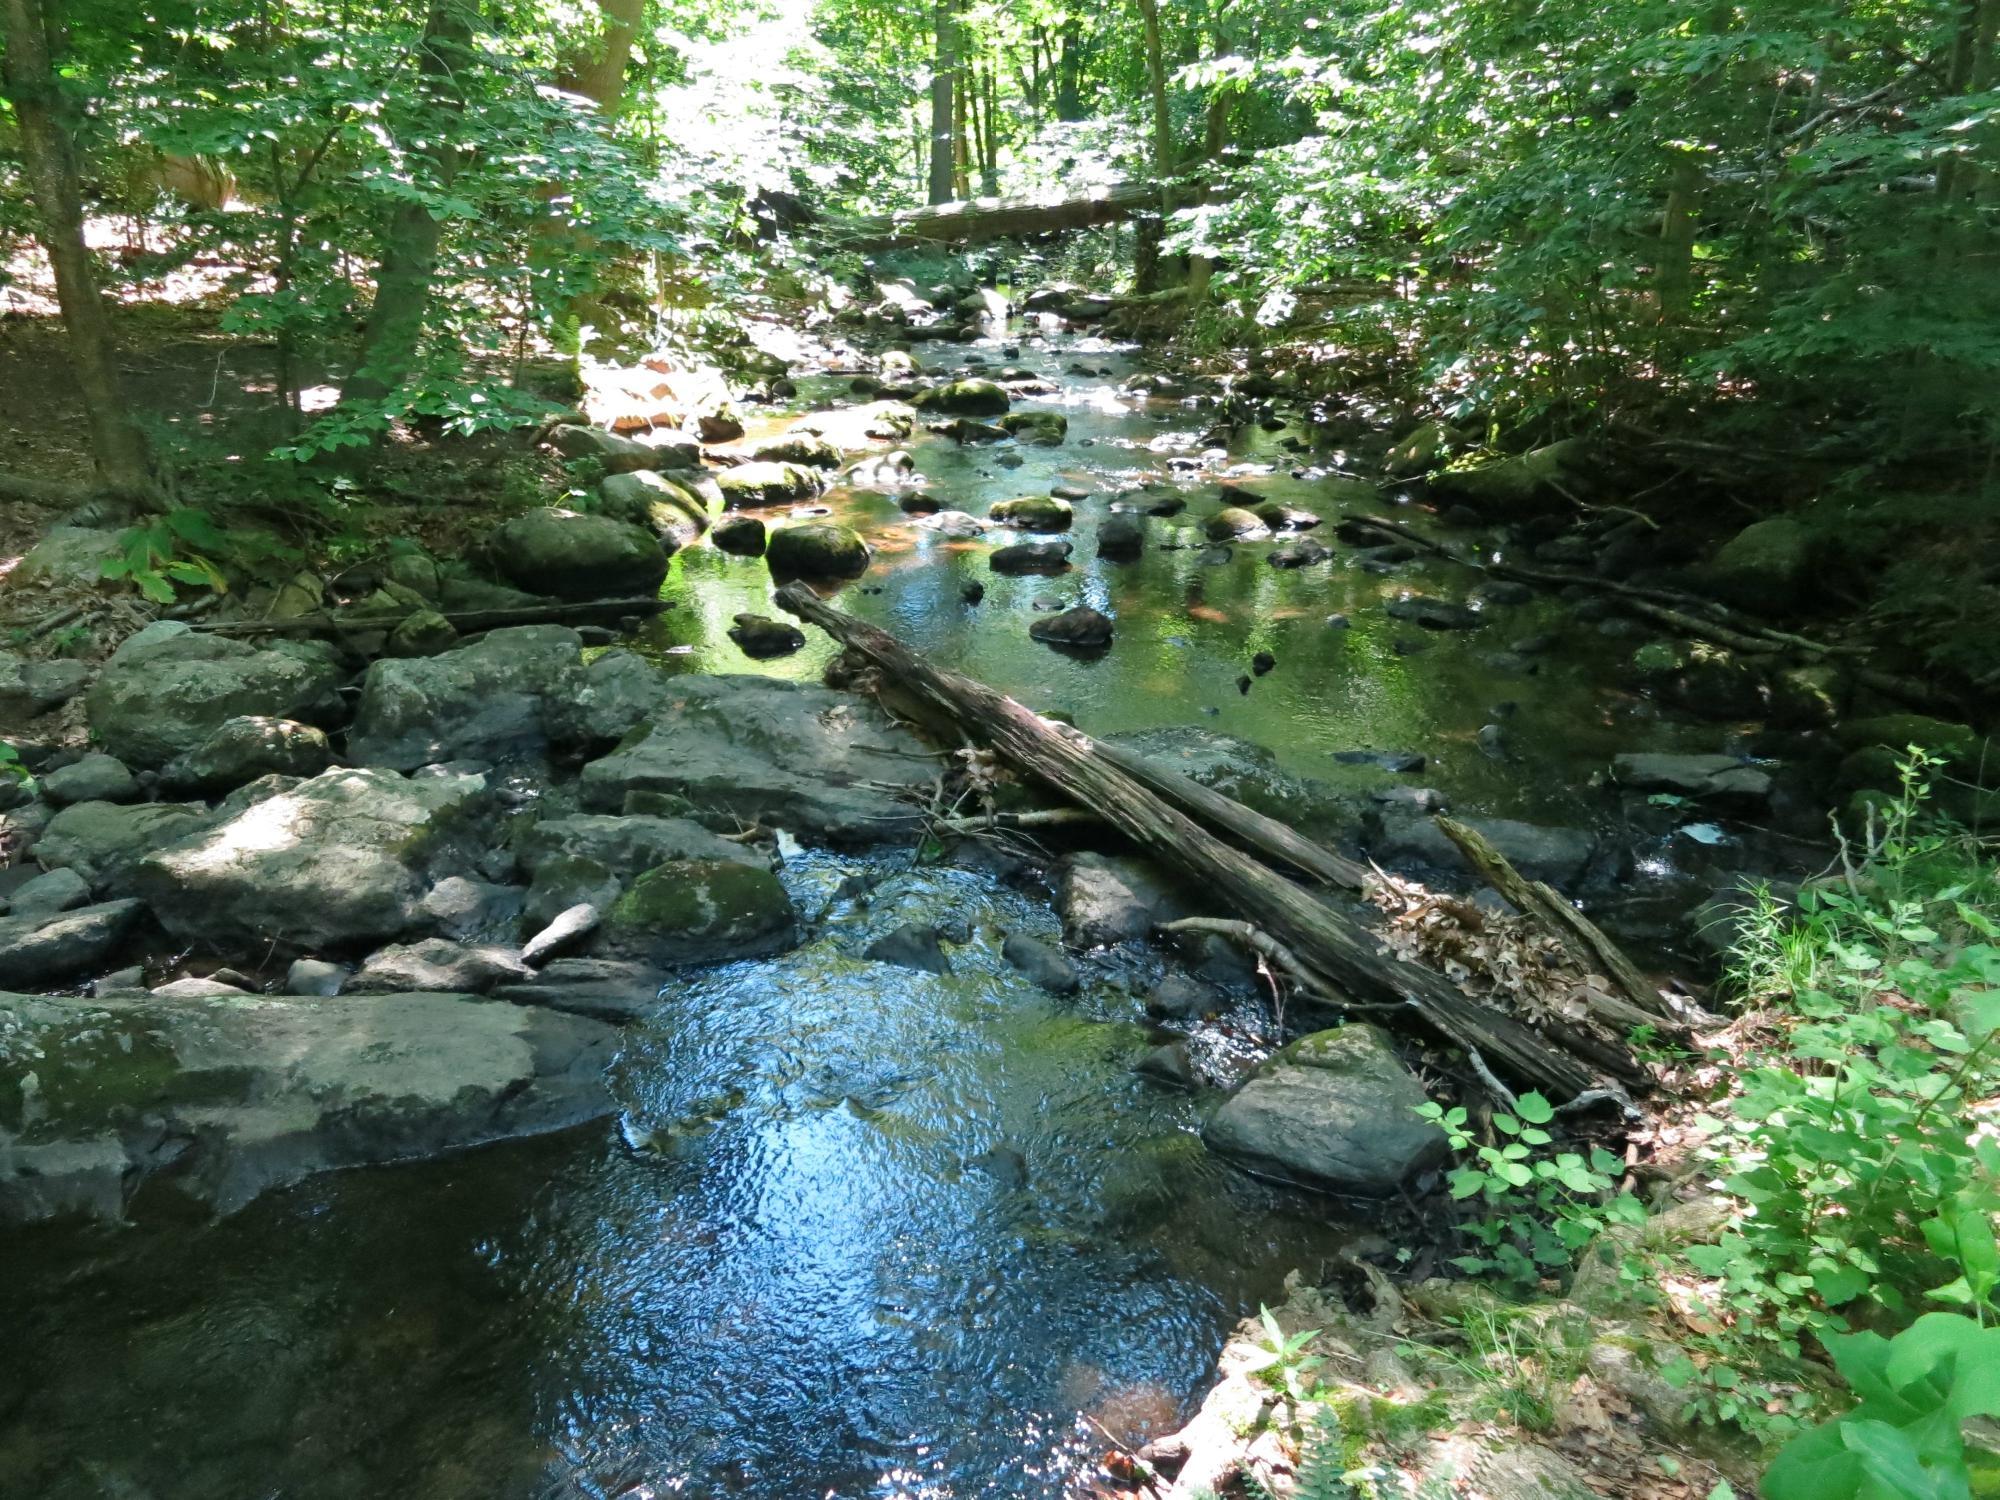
1233 523
576 556
752 485
700 911
816 549
805 448
1034 513
1042 429
967 398
244 748
659 503
739 535
1767 566
1082 628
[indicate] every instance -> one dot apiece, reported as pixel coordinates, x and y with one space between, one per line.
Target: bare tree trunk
410 249
944 97
118 446
1146 270
599 75
1069 72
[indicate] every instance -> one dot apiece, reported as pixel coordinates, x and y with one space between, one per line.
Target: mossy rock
1233 523
966 398
1958 745
701 911
574 556
750 485
816 549
805 448
1034 513
1518 486
1044 429
663 506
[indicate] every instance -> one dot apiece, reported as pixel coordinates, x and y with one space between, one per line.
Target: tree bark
944 96
599 74
1069 72
1340 955
1146 268
997 218
395 327
118 446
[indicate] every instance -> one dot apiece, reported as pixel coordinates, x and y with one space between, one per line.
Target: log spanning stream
862 1231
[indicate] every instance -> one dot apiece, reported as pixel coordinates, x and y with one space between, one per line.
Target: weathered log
975 219
465 621
1337 950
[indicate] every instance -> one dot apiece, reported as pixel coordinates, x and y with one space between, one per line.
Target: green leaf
1535 1109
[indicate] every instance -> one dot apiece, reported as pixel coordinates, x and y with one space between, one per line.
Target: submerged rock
223 1097
1041 429
914 945
1041 963
1121 538
744 536
1300 554
575 556
699 912
1233 523
1031 557
167 688
1082 628
1432 614
760 636
1334 1110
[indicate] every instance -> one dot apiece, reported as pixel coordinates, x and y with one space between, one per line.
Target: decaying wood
1027 820
1581 938
972 220
334 622
1340 954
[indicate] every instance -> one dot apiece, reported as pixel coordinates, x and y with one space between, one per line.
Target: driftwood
1339 954
333 622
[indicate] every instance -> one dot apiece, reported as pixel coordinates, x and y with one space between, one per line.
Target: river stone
28 688
422 632
1179 998
95 778
459 906
1518 486
605 989
568 881
816 549
1767 566
489 700
167 688
1167 1063
1033 513
70 555
1303 553
1039 429
103 842
914 945
789 755
336 862
1041 963
1233 523
1106 899
700 911
659 503
315 976
625 845
567 929
1031 557
955 524
749 486
575 556
1706 778
52 947
1432 614
437 964
807 449
1082 628
1285 517
1245 771
968 398
1121 538
229 1096
45 895
1334 1110
1559 856
740 535
242 749
761 637
622 455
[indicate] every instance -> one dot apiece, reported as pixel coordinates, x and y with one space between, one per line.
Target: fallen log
1338 952
465 621
973 220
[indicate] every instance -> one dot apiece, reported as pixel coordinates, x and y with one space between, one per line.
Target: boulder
422 632
73 555
740 535
967 398
575 556
95 778
1122 538
761 637
566 882
1767 566
167 688
625 845
567 929
698 912
242 749
1179 998
1232 523
103 842
914 945
315 976
623 455
227 1096
1559 856
802 448
502 695
1082 628
955 524
45 895
816 549
1520 486
57 947
1285 517
1033 513
1247 772
437 964
658 503
1335 1110
1031 557
1040 429
28 688
1041 963
605 989
1106 899
1300 554
1432 614
749 486
1704 778
459 906
338 861
789 755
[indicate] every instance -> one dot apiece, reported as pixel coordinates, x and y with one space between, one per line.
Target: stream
861 1231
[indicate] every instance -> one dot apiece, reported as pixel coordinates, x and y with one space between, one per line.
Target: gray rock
422 632
914 945
565 882
45 895
661 504
1432 614
754 485
340 860
1121 538
786 754
459 906
1178 998
699 912
569 927
47 949
28 688
70 554
192 988
1041 963
621 455
626 845
761 637
1300 554
575 556
1334 1110
315 976
1233 523
1705 778
1081 628
503 695
1245 771
1767 566
229 1096
1167 1064
1031 557
1556 855
605 989
103 841
242 749
972 398
1032 513
1106 899
743 536
167 689
437 964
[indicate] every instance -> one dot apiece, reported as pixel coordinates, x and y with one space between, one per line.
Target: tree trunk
944 95
599 74
1147 276
1069 72
395 327
1341 956
118 446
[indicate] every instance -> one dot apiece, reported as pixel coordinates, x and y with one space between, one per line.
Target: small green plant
1288 1368
1545 1207
11 768
155 556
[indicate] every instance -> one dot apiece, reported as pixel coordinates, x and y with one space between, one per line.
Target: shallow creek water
860 1231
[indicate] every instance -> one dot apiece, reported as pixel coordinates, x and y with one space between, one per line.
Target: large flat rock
223 1097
